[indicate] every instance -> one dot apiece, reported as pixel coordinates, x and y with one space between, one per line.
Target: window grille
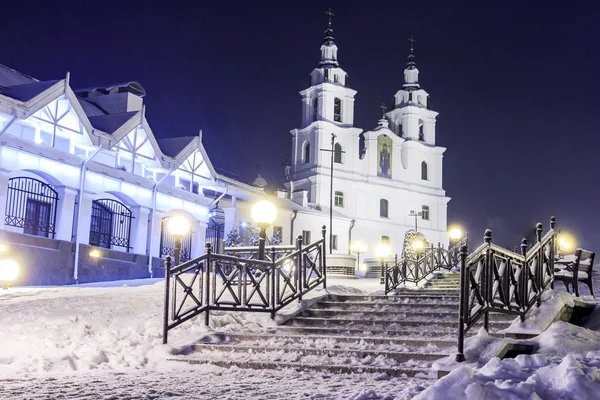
110 224
31 204
167 242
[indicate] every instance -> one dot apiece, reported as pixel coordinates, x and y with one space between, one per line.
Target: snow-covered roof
110 123
10 77
173 146
26 91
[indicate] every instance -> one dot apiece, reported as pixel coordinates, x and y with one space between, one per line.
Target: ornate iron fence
232 283
215 234
110 224
414 269
493 279
167 242
31 204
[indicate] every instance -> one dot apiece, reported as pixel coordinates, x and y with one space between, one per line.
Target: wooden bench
579 270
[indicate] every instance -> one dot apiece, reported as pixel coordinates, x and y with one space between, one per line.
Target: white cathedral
86 190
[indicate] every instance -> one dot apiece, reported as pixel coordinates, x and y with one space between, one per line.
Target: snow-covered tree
253 239
233 238
276 239
409 238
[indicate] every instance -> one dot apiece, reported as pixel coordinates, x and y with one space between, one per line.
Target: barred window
31 204
110 224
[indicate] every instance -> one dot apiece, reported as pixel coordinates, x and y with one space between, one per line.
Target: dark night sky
515 82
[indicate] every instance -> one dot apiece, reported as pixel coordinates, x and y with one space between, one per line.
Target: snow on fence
239 282
493 279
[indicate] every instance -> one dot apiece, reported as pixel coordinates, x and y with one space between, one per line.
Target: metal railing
233 283
414 269
493 279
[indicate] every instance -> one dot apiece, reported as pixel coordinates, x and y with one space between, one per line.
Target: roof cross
330 14
412 41
383 109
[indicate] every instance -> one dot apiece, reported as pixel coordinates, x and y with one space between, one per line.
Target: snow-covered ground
103 341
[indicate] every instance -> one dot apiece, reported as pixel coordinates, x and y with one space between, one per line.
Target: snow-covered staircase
397 335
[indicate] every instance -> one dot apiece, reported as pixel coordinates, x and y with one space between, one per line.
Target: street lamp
9 271
263 213
358 248
456 233
383 251
178 227
566 242
415 214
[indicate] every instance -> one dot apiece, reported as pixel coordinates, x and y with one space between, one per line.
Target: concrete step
358 341
385 306
430 290
274 353
411 332
402 323
401 297
395 315
337 369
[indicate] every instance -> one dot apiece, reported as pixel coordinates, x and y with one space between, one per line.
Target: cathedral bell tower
411 117
327 108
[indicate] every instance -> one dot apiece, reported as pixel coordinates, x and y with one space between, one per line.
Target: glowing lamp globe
383 250
94 253
418 245
358 247
264 213
178 226
455 233
9 271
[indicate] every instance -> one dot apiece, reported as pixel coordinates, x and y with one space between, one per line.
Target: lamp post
9 271
358 248
263 213
178 226
415 214
383 251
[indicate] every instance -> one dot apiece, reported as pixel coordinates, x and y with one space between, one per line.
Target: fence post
274 283
552 250
323 232
486 278
524 280
207 267
299 279
167 288
432 259
464 288
539 270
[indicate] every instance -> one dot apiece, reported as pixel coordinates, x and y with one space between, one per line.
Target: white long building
86 189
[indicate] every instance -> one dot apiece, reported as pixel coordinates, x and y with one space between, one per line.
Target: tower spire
328 48
329 31
411 55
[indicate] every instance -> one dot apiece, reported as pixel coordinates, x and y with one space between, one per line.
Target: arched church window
424 171
335 78
315 105
383 208
421 130
337 153
337 110
306 153
400 132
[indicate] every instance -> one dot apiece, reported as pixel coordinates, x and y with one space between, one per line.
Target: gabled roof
110 123
10 77
90 109
27 91
172 147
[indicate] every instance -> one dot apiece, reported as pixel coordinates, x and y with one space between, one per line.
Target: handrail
493 279
229 283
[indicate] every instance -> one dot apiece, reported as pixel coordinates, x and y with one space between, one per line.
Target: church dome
260 181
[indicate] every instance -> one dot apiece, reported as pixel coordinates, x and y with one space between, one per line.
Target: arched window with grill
31 204
167 242
315 108
337 110
306 153
110 225
337 153
383 208
424 171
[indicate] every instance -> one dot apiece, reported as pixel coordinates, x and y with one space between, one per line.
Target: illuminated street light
418 245
383 251
358 248
95 253
3 248
456 233
178 226
9 271
263 213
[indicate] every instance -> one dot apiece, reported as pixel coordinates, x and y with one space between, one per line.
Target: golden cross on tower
383 110
330 14
412 41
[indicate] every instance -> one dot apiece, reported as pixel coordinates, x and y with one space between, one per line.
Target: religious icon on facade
384 159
